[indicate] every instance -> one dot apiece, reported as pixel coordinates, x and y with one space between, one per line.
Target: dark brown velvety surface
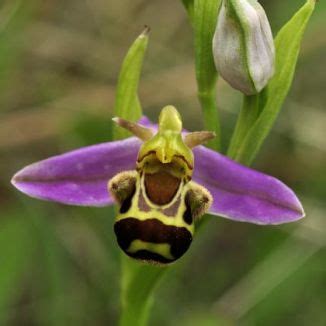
154 231
161 187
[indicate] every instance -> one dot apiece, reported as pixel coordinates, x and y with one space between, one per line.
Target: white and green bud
243 45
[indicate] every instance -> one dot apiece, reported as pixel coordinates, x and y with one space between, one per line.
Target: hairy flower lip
80 178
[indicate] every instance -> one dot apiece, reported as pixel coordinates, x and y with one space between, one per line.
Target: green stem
211 117
204 23
137 285
248 114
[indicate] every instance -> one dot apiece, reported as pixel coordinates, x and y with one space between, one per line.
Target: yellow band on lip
162 249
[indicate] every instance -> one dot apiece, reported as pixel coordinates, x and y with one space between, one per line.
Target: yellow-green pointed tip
170 119
145 31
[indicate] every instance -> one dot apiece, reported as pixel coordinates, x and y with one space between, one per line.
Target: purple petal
242 194
78 177
144 121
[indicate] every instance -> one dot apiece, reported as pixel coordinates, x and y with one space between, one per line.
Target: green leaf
15 251
204 23
189 5
54 311
266 276
127 104
287 45
138 284
14 15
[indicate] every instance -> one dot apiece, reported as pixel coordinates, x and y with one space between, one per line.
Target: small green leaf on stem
127 104
204 23
287 45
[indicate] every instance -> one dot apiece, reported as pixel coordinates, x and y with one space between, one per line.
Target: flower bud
243 45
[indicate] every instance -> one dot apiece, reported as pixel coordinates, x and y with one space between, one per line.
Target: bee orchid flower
163 180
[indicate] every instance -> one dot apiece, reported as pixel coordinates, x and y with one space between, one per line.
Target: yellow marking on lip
155 211
162 249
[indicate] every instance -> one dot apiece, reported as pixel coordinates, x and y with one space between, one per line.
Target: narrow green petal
127 104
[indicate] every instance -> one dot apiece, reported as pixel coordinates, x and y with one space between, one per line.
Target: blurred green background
59 265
